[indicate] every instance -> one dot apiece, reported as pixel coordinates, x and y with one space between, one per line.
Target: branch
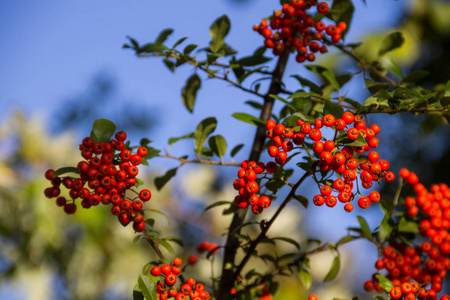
269 224
228 275
198 161
205 69
154 244
366 66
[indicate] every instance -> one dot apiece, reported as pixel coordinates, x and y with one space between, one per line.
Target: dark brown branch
228 275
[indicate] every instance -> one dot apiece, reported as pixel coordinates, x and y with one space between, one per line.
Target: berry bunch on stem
294 27
107 175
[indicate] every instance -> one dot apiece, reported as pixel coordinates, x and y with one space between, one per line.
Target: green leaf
359 142
218 30
179 42
65 170
342 11
386 227
447 89
151 152
332 108
134 42
334 270
215 204
302 199
162 180
345 240
169 64
175 240
391 42
365 227
189 91
305 279
189 48
254 104
288 240
137 294
385 283
152 48
165 245
102 130
159 213
187 136
148 287
395 69
236 149
305 82
218 145
325 73
248 119
374 86
408 226
204 129
163 36
379 297
144 142
288 104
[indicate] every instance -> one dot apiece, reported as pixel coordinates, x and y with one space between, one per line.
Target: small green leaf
203 130
236 149
187 136
152 48
385 283
189 91
396 69
331 78
148 287
288 240
379 297
386 227
169 64
218 30
175 240
144 142
305 279
159 213
288 104
179 42
391 42
163 36
254 104
305 82
334 109
302 199
365 227
345 240
408 226
218 145
162 180
359 142
102 130
165 244
189 48
447 89
248 119
65 170
215 204
334 270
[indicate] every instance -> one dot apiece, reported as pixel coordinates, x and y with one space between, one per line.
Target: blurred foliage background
45 254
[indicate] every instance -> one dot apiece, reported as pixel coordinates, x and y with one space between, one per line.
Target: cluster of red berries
247 185
106 183
207 247
413 269
165 287
338 155
294 27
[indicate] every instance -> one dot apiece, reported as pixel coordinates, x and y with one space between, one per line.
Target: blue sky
53 49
